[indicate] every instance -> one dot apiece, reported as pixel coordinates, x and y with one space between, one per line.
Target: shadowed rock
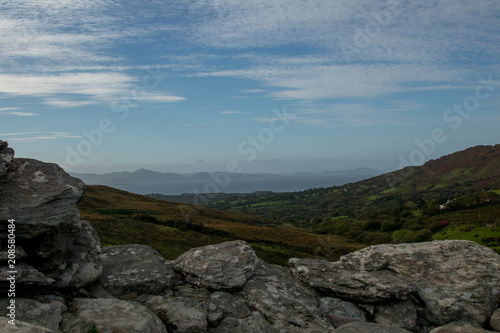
42 199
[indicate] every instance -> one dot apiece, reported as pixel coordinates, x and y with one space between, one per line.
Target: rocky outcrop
224 266
46 315
110 315
6 156
458 281
438 287
282 298
132 270
58 249
345 280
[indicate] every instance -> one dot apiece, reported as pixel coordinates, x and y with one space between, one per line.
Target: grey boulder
133 269
46 315
110 315
42 199
225 266
347 281
182 314
283 299
459 281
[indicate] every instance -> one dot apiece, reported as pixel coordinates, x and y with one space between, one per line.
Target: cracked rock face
459 281
59 248
289 303
135 269
345 280
225 266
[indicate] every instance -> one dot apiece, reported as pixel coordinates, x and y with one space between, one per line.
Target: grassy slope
114 214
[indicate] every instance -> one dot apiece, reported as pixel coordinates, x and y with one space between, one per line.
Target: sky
247 86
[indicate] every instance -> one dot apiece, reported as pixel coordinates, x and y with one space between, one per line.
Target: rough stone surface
222 305
282 298
402 314
347 281
340 308
361 327
254 323
22 327
20 254
495 320
42 199
46 315
6 156
135 269
225 266
110 315
459 281
27 275
459 329
183 314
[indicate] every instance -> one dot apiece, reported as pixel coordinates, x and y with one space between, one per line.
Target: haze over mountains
147 181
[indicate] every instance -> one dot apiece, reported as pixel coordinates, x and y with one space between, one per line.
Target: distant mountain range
142 176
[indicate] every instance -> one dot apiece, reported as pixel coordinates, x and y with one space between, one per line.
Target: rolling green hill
407 205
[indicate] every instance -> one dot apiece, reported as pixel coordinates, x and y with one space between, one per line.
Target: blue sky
273 86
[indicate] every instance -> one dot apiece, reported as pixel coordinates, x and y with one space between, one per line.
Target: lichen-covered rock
47 315
42 198
183 314
459 329
254 323
22 327
133 269
361 327
110 315
222 305
347 281
495 320
402 314
282 298
459 281
225 266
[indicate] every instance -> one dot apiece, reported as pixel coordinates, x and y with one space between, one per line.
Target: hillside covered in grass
456 192
173 228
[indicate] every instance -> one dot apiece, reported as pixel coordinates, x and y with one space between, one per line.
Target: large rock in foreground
110 315
459 281
225 266
283 299
59 248
133 269
345 280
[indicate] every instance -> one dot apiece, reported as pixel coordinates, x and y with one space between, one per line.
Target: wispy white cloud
18 114
231 112
38 136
